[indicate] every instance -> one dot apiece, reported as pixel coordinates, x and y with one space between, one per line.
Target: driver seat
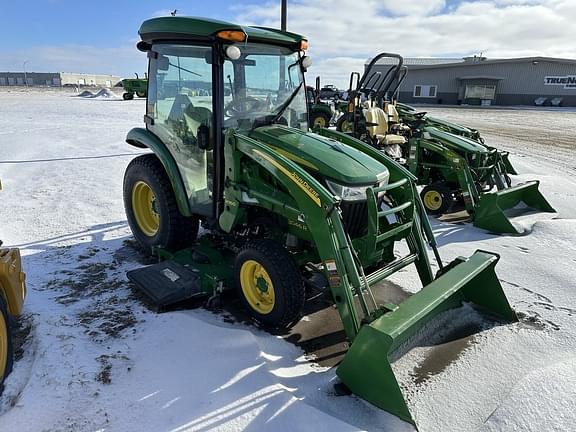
379 132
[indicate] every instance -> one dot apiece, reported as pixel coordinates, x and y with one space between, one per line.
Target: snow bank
542 401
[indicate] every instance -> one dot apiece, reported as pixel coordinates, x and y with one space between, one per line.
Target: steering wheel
243 105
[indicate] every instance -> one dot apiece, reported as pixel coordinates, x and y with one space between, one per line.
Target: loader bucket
366 369
489 214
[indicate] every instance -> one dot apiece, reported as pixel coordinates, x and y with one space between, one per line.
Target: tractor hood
460 130
455 142
324 156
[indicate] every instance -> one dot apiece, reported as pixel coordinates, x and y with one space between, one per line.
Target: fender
142 138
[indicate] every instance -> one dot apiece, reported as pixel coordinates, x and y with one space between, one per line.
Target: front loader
286 212
12 294
457 171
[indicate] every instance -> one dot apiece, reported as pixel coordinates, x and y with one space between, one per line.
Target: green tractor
12 294
138 86
458 171
320 113
409 114
286 212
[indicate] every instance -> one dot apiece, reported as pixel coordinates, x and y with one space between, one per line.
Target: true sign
568 81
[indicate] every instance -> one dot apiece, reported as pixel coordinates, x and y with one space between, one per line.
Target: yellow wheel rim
346 126
257 287
145 210
433 200
3 346
320 122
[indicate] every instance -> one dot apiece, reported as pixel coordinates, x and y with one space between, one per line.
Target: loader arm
312 200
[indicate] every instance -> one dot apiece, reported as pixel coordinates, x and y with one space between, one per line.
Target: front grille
355 215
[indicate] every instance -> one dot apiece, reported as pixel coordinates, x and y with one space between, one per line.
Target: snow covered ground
97 359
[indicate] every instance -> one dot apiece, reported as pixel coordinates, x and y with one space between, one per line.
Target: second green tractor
453 163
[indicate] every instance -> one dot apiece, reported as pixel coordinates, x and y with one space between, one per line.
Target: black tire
322 119
437 198
141 94
128 96
174 231
6 343
287 283
344 123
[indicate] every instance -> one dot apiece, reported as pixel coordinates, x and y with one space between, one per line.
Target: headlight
347 193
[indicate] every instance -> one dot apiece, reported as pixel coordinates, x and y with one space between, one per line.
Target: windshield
264 85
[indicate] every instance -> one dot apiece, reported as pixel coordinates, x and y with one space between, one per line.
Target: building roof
420 61
435 63
166 28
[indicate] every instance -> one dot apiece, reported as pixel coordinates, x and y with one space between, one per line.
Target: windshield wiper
269 120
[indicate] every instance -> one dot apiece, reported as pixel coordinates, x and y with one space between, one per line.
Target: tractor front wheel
344 123
269 283
151 207
320 120
128 96
6 347
437 198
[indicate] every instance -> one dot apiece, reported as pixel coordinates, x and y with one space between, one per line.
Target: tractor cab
200 88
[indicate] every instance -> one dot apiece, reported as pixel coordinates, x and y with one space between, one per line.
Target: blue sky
102 23
100 37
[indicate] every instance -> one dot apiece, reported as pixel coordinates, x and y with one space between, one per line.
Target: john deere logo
568 81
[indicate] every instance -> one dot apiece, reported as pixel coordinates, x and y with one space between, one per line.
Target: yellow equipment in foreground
12 293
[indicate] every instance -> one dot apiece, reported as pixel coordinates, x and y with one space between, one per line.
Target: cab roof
196 28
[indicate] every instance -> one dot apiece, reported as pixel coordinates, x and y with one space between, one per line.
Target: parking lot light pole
283 8
25 76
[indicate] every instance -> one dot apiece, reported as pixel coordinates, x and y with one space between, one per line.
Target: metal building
57 79
477 80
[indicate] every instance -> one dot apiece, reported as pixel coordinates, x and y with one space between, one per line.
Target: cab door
179 111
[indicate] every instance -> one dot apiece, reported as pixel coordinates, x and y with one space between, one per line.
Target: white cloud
412 7
346 32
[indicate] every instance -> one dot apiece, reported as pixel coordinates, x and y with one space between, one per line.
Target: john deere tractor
458 171
285 211
409 114
12 293
320 112
133 86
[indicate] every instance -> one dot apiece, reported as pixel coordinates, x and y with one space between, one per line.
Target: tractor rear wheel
151 207
6 347
320 120
269 283
437 198
141 94
128 96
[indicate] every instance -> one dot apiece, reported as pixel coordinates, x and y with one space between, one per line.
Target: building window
425 91
480 92
2 81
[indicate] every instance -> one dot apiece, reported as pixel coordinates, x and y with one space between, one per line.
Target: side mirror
163 63
305 62
203 137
